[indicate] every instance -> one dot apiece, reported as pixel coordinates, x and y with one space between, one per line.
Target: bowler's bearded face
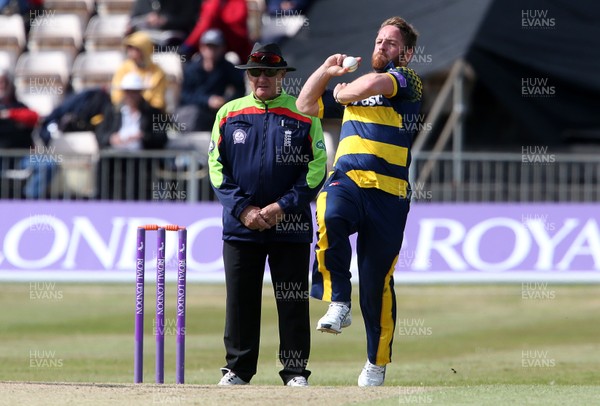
389 46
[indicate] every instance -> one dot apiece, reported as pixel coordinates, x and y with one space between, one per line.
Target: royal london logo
239 136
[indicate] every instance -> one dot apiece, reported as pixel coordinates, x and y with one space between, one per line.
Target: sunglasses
256 72
267 57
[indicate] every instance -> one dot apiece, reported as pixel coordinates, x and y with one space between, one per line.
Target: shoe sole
372 384
326 328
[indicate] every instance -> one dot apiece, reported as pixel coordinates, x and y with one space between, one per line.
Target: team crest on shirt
239 136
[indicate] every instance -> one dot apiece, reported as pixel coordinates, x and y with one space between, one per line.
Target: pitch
455 344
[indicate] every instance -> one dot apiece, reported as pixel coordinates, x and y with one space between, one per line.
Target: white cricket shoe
337 317
297 381
371 375
230 378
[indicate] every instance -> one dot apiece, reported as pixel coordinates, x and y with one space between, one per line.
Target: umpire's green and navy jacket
265 152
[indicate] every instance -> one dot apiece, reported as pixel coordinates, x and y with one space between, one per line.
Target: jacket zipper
263 152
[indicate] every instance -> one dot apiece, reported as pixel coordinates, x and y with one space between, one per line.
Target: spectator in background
17 123
129 126
19 6
174 17
16 120
285 19
287 7
208 83
78 112
231 17
139 49
26 8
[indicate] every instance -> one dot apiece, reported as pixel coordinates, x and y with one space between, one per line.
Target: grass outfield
454 344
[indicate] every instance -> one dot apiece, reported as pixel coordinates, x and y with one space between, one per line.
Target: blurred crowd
175 70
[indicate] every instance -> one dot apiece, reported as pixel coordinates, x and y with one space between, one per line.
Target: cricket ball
351 63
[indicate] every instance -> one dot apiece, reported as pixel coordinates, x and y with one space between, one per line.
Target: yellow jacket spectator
139 49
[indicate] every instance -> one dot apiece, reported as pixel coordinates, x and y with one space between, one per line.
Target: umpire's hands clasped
259 219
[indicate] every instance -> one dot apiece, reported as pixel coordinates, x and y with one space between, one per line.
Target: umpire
267 162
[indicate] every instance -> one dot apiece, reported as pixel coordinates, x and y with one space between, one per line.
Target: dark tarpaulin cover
446 29
538 65
506 53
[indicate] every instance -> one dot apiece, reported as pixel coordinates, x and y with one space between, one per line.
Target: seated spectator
229 16
208 82
139 49
16 120
287 7
17 123
78 112
129 126
174 17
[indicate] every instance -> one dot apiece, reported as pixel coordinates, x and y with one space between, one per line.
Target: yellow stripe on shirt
371 179
355 144
370 114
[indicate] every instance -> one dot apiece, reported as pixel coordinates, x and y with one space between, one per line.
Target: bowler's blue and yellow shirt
377 133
